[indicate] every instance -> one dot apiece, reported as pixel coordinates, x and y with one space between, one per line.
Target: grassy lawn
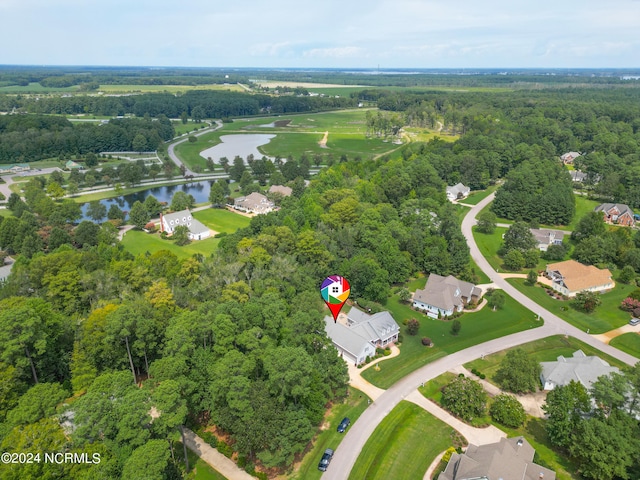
200 470
627 342
489 243
189 152
352 407
5 212
138 242
475 197
544 350
606 317
482 277
477 328
222 220
181 128
403 445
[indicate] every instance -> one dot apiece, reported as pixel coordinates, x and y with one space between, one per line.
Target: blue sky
324 33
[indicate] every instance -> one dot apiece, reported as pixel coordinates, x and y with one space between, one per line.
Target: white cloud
335 52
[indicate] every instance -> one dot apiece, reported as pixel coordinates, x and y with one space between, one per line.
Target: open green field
627 342
221 220
35 87
351 407
477 327
166 88
416 134
5 213
190 126
403 445
489 243
607 316
475 197
301 135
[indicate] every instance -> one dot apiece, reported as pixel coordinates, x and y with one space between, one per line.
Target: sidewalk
214 458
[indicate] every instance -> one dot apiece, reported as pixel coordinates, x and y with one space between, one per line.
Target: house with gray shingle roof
197 230
579 368
457 192
617 213
358 338
442 296
254 203
546 237
508 459
281 189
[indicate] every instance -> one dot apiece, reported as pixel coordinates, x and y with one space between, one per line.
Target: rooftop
577 276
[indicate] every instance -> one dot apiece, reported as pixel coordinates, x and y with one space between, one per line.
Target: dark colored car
343 425
326 459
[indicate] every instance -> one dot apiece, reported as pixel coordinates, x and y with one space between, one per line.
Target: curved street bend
347 453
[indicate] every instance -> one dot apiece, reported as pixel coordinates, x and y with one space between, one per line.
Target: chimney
161 224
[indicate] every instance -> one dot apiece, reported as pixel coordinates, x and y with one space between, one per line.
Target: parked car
325 460
343 425
634 321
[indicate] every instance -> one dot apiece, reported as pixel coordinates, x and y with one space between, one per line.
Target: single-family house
197 230
579 368
15 168
71 165
254 203
570 277
281 189
5 268
577 176
508 459
442 296
457 192
357 338
569 157
617 213
545 237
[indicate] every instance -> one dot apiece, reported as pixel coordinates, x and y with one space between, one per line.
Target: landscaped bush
150 227
507 410
223 448
387 352
413 326
426 341
630 304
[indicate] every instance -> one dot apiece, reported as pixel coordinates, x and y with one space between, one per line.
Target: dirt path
323 142
214 458
606 337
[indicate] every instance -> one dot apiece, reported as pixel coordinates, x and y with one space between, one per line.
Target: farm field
607 316
352 407
403 445
166 88
477 327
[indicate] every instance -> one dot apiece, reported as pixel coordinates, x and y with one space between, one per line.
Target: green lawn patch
607 316
222 220
476 197
328 437
403 445
138 242
477 328
200 470
181 128
189 152
544 350
489 244
4 212
627 342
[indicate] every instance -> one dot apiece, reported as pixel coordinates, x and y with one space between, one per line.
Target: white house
571 277
546 237
457 192
579 368
197 231
445 295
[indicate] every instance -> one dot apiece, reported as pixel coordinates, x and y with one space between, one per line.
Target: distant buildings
508 459
281 189
617 213
545 237
579 368
254 203
359 338
71 165
442 296
197 231
569 157
457 192
15 168
571 277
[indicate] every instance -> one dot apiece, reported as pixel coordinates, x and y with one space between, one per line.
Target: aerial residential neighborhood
356 241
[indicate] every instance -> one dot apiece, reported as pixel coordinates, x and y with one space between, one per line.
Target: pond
241 144
199 190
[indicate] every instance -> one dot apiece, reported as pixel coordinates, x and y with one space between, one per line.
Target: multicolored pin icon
335 291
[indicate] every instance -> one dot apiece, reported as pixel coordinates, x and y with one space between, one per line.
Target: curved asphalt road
355 438
174 158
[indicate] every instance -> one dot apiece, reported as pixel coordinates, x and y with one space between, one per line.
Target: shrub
387 353
629 304
456 326
150 227
413 326
426 341
507 410
223 448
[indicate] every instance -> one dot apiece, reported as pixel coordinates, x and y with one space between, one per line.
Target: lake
241 144
199 190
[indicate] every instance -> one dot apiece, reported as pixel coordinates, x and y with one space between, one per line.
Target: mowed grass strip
477 327
221 220
627 342
475 197
138 242
607 316
328 437
403 445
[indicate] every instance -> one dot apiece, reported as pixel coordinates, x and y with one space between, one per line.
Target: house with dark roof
617 213
358 336
197 230
442 296
578 368
254 203
570 277
577 176
508 459
545 237
457 192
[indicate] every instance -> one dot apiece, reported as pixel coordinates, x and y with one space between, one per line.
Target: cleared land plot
627 342
403 445
477 328
607 316
222 220
181 128
352 407
166 88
